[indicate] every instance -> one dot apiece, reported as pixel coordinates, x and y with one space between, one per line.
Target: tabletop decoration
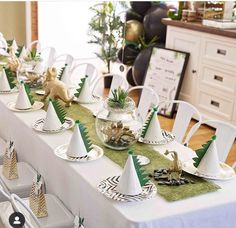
152 132
169 193
23 53
117 124
37 200
10 162
61 73
207 163
55 88
132 185
80 147
55 120
84 93
7 81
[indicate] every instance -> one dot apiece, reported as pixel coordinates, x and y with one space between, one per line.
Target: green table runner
170 193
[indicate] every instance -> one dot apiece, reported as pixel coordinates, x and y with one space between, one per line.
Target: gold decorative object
10 162
133 30
13 62
175 169
37 199
55 88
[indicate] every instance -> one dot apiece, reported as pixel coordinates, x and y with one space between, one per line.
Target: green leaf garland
81 85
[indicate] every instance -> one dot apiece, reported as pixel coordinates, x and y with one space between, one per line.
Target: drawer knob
215 103
221 52
218 78
194 71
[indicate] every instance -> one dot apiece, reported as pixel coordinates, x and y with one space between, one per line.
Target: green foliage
9 44
61 72
19 51
10 77
119 98
148 121
81 85
106 30
38 177
28 91
60 111
81 222
85 137
142 175
33 55
202 151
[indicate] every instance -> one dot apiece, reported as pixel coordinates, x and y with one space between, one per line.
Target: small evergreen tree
148 121
28 91
10 77
62 71
202 151
60 111
81 85
142 175
85 137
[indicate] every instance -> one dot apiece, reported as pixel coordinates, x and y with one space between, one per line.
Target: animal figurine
55 88
13 62
175 168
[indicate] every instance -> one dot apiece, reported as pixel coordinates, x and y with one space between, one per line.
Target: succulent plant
119 98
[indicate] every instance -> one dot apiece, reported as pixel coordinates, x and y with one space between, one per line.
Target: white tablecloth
75 183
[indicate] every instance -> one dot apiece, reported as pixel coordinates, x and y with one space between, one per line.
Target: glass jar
118 128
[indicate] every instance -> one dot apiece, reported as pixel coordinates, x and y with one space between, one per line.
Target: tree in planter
106 30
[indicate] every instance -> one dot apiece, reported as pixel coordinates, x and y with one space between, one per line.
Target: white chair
147 99
225 136
22 185
48 54
35 43
80 70
185 113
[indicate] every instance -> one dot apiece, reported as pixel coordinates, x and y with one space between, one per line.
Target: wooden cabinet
210 79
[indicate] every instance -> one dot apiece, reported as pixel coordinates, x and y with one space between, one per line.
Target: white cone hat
4 84
22 101
86 93
14 46
66 76
154 133
52 122
129 183
76 147
23 53
209 165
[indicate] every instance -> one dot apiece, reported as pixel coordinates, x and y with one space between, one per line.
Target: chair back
35 43
146 101
48 54
20 206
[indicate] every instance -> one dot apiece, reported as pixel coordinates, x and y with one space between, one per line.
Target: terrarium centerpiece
117 124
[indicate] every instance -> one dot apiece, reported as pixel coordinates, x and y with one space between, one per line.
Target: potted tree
106 30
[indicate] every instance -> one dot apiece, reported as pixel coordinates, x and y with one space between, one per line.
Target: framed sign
164 74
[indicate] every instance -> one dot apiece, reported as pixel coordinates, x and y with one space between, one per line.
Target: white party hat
207 161
14 46
80 143
84 93
4 83
52 121
3 42
64 75
132 178
23 53
24 100
151 129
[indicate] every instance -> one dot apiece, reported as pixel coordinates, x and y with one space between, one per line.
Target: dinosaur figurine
55 88
176 167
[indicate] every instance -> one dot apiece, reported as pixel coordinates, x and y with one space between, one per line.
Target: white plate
14 90
40 92
38 126
94 154
95 100
143 160
168 137
36 106
226 171
108 188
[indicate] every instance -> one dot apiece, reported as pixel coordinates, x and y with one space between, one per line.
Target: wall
12 21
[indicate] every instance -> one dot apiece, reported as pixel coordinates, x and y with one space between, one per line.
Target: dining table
75 184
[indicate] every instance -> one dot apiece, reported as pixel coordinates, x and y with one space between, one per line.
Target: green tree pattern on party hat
60 111
28 91
81 85
62 71
202 151
142 175
85 137
10 77
148 121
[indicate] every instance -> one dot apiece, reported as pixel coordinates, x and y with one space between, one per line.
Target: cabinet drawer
219 79
217 105
224 52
